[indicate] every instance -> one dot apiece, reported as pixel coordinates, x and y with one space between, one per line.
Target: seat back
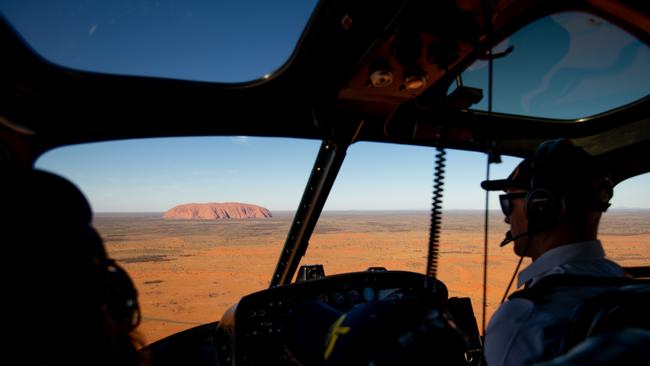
615 310
629 346
621 304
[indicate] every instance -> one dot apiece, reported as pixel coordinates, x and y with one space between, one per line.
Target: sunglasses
506 201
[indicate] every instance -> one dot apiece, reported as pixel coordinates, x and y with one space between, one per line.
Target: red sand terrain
189 273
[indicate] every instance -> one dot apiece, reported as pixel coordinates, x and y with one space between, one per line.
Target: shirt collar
584 250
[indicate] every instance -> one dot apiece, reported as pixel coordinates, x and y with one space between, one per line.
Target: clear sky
156 174
228 41
560 68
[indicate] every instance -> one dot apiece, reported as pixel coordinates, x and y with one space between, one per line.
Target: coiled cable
436 216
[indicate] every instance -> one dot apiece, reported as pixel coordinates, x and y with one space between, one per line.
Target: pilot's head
553 198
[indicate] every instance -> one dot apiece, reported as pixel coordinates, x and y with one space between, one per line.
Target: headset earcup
543 208
122 297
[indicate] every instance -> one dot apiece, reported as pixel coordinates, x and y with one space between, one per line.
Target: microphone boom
509 238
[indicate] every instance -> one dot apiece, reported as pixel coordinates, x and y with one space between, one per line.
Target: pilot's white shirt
521 333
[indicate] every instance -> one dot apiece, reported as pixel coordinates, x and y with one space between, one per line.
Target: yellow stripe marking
337 330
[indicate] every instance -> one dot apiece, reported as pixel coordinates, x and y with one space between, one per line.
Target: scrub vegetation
189 272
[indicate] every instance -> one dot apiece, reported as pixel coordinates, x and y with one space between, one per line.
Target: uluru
216 211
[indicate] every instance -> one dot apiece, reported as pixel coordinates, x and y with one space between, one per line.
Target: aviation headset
121 296
542 205
546 200
115 288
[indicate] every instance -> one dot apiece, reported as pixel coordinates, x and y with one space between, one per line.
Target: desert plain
189 272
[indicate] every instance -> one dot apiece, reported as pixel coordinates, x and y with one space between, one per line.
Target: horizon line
373 210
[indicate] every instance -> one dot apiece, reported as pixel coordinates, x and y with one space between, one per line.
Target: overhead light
381 73
381 78
414 79
415 82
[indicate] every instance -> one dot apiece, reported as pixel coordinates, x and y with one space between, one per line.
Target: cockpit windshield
172 212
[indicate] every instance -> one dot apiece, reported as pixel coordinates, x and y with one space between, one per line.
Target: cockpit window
219 41
625 227
190 265
175 213
565 66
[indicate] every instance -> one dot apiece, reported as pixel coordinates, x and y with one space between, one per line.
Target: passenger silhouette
65 301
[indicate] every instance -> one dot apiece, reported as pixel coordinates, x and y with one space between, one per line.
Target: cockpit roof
411 72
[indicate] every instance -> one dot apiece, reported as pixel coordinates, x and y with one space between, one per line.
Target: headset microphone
509 238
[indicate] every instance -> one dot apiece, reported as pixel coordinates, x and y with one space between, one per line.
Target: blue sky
156 174
228 41
232 41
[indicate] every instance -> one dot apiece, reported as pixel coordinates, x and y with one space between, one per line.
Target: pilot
553 203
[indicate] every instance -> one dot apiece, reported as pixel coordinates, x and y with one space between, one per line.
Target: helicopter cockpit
366 131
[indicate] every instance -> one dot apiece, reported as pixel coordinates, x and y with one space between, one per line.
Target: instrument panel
264 320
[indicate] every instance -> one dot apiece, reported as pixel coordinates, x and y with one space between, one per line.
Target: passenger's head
68 302
560 191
